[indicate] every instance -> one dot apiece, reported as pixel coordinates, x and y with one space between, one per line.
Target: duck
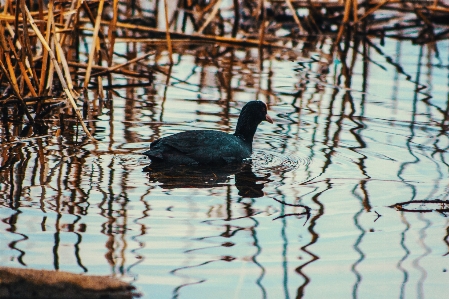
211 147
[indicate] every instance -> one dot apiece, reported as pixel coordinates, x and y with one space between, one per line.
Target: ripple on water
261 160
270 160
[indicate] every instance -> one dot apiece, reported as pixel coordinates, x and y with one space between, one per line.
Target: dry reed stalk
211 16
295 16
84 66
3 44
355 10
41 14
94 43
422 17
73 11
167 33
441 9
51 70
27 42
45 51
105 69
201 14
235 26
11 32
345 20
31 102
22 69
59 72
62 59
93 21
59 31
12 80
116 67
8 18
175 15
111 31
120 86
261 33
65 66
390 1
83 28
156 41
370 11
19 47
16 19
203 37
10 75
100 87
313 11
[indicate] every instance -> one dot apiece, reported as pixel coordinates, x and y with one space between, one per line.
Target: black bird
209 147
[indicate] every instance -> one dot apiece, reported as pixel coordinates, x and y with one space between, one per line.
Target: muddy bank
30 283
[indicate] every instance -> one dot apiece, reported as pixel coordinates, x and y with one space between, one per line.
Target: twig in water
378 216
306 212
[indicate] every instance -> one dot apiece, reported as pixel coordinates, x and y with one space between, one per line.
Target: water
310 217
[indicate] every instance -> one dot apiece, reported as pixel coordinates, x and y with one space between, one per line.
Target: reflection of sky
97 210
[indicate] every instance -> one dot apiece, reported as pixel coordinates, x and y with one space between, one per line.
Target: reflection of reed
284 254
283 215
358 241
12 221
404 258
409 140
314 239
446 240
427 251
256 254
143 231
229 231
77 246
111 227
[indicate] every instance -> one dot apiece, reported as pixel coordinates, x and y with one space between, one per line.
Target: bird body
209 147
199 147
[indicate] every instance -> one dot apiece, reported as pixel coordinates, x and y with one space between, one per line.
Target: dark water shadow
248 183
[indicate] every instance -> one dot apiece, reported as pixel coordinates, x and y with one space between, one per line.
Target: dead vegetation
57 56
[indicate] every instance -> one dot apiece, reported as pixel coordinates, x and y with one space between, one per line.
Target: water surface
310 217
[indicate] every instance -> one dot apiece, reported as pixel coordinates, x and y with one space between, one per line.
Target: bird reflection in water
247 182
